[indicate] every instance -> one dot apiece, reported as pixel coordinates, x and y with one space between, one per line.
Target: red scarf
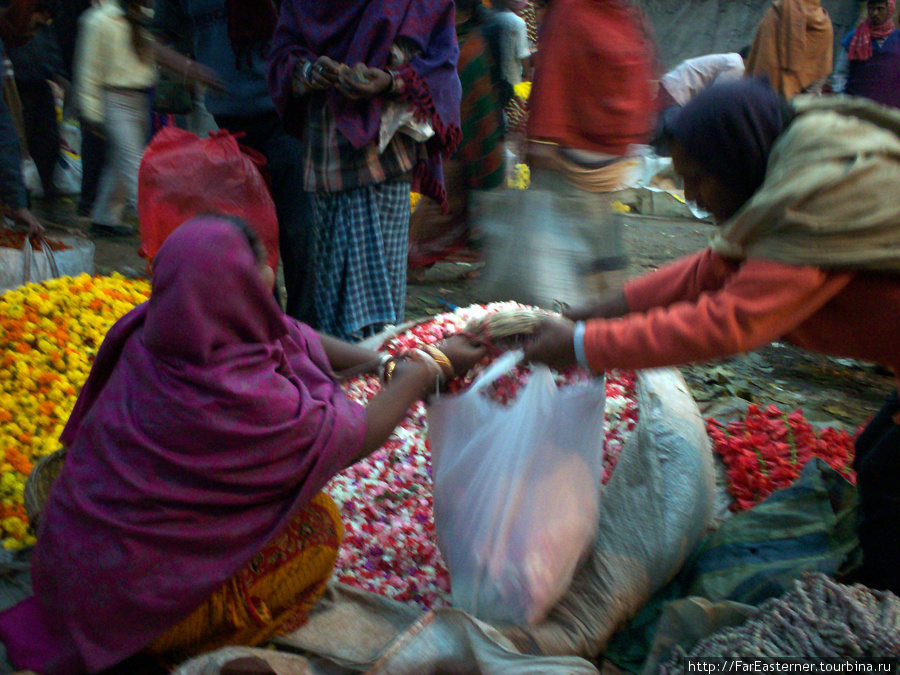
861 44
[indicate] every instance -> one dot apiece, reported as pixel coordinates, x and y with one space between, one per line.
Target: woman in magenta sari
189 512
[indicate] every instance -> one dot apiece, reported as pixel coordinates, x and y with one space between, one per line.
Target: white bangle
394 88
578 344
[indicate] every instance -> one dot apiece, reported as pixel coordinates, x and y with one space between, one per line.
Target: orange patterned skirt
270 595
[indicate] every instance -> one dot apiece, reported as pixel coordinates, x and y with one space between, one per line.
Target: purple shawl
208 420
362 31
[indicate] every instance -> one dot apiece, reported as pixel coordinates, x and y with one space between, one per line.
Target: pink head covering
861 44
209 419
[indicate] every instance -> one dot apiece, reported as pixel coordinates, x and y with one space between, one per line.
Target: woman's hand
324 74
25 218
346 359
363 82
191 70
553 344
462 352
411 380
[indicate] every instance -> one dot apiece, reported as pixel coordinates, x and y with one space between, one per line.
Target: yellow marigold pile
414 198
49 334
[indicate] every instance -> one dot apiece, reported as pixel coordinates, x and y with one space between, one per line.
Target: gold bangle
388 371
423 356
442 360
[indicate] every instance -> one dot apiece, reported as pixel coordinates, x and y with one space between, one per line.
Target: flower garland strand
767 449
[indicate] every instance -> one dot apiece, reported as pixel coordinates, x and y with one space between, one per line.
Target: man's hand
190 70
553 344
324 74
204 75
610 305
25 218
363 82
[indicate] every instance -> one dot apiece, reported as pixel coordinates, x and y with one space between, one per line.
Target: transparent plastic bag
31 178
68 172
516 491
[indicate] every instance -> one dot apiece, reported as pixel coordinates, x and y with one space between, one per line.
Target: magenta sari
209 419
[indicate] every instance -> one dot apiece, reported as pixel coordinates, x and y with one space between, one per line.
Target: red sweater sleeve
690 321
682 279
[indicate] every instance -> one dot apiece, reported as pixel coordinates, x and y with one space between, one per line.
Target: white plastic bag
550 242
31 178
24 265
400 117
656 508
516 491
67 175
70 136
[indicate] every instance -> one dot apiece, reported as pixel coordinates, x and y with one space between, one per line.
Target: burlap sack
654 510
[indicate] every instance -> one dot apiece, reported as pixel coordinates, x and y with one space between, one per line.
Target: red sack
183 175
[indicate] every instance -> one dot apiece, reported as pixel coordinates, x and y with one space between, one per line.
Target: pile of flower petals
50 333
386 500
767 449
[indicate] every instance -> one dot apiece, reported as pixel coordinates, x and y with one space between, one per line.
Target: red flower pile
766 451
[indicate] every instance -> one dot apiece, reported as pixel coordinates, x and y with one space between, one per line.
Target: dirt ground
835 392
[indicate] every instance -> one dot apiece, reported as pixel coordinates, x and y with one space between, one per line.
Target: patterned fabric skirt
270 595
361 239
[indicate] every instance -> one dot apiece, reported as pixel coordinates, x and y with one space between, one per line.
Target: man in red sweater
808 252
592 100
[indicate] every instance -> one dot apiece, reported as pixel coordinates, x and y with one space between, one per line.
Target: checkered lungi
361 241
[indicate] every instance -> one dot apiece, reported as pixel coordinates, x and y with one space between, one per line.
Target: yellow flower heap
414 199
50 333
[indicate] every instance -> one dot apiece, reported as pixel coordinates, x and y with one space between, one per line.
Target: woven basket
40 480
